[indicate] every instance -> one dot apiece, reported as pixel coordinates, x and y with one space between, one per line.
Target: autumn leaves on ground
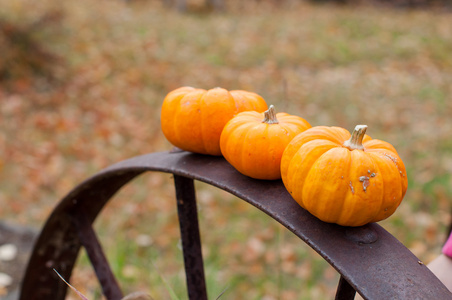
81 88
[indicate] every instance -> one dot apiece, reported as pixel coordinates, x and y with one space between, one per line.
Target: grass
342 66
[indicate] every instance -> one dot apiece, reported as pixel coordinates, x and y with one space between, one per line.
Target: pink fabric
447 248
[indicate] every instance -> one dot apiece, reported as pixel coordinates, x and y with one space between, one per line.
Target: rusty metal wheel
368 258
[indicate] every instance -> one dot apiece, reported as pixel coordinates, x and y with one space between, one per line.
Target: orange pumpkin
346 179
192 119
254 142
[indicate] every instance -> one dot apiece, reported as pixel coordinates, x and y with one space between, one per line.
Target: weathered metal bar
93 248
369 258
58 244
344 290
191 240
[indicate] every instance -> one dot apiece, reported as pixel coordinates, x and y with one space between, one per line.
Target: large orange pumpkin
346 179
192 119
254 142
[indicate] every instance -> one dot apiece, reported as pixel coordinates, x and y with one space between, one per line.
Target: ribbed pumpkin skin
192 119
339 185
255 148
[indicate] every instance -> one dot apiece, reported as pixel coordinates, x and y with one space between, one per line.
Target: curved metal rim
375 264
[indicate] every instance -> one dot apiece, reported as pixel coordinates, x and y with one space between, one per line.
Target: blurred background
81 86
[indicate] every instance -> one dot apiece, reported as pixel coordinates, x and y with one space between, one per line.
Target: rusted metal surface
58 244
368 258
344 290
93 248
191 240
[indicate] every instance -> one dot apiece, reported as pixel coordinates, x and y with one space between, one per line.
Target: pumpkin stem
270 116
356 140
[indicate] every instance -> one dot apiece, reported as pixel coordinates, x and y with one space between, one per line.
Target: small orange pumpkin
254 142
192 119
346 179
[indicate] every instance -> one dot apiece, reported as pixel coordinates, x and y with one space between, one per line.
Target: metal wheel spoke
90 242
191 240
344 290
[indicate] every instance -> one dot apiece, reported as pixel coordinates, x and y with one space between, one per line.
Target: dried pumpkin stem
356 140
270 116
